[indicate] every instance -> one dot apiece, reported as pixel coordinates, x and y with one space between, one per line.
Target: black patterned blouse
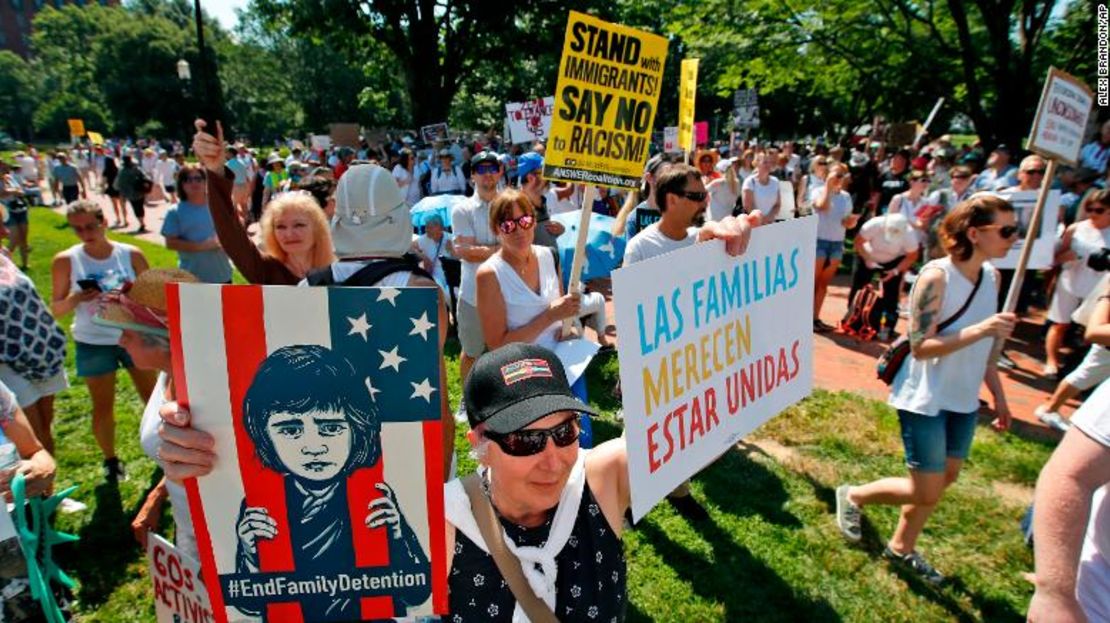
591 582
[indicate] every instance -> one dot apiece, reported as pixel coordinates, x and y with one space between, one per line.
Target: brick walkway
843 362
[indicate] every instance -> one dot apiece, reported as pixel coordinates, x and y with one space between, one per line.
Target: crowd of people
933 217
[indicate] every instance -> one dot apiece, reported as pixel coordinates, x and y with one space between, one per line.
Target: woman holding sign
953 327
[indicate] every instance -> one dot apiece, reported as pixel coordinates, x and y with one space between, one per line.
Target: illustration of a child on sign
311 419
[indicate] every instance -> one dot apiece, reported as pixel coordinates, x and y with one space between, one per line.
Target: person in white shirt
885 245
936 390
405 172
834 216
431 247
761 190
447 178
165 173
1071 516
912 204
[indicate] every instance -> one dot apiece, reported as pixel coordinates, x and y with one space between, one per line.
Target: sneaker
848 515
916 563
1051 373
1051 419
821 327
688 507
113 470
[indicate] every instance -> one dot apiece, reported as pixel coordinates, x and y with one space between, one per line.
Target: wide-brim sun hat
141 305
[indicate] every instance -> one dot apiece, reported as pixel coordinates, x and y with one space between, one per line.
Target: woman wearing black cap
559 509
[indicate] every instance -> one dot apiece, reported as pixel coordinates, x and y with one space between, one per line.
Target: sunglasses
524 221
532 441
961 177
1006 231
194 178
1096 210
1034 171
694 195
486 169
923 180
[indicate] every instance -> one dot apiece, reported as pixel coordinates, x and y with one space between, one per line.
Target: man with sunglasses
474 243
681 197
529 169
558 508
1030 174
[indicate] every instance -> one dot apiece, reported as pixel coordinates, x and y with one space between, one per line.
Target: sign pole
575 285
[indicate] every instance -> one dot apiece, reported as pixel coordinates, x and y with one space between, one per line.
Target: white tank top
522 303
186 538
950 382
111 273
1077 278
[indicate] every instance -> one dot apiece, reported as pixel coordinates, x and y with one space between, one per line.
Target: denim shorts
930 440
98 359
831 249
16 218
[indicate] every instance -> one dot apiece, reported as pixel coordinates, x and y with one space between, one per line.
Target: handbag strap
507 563
960 312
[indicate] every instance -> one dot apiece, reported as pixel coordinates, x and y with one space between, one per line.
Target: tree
434 43
19 96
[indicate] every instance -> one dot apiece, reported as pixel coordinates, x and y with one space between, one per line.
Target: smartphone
88 284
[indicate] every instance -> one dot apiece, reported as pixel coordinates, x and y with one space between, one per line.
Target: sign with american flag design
326 500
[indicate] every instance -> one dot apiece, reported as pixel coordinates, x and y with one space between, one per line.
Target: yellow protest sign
76 127
687 91
605 102
95 138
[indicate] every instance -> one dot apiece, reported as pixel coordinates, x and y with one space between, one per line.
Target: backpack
864 314
370 274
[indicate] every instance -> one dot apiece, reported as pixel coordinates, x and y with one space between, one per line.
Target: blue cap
529 163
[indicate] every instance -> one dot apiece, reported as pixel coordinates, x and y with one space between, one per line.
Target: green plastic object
38 541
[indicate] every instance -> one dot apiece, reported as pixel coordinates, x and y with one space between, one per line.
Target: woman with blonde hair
294 231
953 327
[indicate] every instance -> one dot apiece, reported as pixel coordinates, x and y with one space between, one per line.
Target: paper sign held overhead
687 94
530 121
1061 121
670 140
605 103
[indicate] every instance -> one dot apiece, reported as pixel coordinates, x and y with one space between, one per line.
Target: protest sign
745 108
712 346
344 134
701 133
76 127
901 134
179 595
320 142
435 133
605 101
687 93
1024 203
670 139
326 500
1061 121
96 138
530 121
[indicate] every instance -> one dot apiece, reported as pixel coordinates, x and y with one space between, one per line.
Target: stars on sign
360 326
389 294
422 389
391 359
421 325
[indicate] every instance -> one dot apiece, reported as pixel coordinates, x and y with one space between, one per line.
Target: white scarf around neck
541 578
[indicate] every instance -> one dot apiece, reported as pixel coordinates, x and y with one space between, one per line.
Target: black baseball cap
484 156
515 385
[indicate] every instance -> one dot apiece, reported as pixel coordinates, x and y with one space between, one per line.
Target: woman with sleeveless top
560 508
80 274
520 295
936 391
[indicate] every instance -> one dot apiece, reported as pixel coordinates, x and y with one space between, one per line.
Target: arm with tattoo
925 307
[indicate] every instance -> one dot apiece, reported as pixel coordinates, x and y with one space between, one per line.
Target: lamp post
185 76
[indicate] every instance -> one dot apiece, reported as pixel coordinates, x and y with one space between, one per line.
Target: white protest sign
179 595
1043 247
1061 120
530 121
321 142
787 204
670 139
712 347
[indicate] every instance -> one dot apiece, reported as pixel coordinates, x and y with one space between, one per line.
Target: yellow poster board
95 138
687 92
605 102
76 127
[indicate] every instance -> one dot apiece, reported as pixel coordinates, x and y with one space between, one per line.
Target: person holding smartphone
80 274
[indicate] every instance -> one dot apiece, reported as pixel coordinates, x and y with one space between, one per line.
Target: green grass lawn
771 552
